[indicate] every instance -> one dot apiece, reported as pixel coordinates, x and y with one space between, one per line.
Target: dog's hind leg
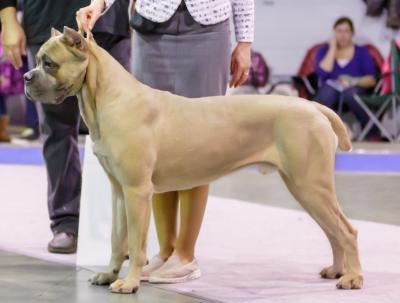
119 243
336 270
321 204
307 167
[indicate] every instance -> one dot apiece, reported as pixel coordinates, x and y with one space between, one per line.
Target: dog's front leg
138 206
118 237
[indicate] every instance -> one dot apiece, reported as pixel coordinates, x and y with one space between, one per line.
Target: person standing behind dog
184 47
59 123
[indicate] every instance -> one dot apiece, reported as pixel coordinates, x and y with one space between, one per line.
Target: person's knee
326 95
349 96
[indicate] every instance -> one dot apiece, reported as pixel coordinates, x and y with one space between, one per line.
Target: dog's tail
337 125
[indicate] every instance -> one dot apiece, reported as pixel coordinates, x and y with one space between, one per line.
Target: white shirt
204 12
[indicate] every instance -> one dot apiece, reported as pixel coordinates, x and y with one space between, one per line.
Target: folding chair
306 81
377 104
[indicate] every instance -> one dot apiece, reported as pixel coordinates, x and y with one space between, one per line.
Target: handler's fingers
23 47
239 76
235 75
93 18
243 77
14 55
82 18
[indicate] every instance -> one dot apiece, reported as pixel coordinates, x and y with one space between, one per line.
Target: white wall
285 29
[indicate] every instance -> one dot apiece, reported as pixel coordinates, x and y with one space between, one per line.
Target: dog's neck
102 85
87 99
94 86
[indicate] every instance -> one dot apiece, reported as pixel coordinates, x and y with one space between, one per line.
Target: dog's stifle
158 147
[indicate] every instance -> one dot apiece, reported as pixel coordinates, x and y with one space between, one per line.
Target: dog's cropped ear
72 38
54 32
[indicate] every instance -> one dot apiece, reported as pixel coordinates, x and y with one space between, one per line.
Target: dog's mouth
29 93
63 93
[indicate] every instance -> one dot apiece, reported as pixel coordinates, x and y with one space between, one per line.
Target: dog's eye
48 64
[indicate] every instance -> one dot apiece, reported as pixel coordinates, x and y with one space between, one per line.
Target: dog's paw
103 278
124 286
350 281
331 273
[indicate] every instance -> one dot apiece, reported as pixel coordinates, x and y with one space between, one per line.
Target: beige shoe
155 263
173 271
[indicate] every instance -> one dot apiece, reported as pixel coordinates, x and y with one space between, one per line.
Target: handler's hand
88 15
13 38
240 63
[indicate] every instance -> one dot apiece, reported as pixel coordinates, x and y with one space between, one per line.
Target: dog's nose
28 76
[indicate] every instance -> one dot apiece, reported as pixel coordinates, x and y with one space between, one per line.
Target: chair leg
340 107
396 115
373 119
394 112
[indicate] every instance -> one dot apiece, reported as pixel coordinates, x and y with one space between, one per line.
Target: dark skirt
184 57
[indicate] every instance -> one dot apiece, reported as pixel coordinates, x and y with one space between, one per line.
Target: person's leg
61 153
205 72
201 61
32 119
357 110
31 132
327 96
165 211
192 207
58 125
151 67
3 110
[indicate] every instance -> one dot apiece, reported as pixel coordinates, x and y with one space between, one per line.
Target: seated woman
344 69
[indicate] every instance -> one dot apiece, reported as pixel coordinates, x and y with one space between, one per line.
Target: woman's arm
367 81
13 36
320 72
327 62
243 20
369 69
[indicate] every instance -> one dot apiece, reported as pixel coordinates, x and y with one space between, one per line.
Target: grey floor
24 279
373 197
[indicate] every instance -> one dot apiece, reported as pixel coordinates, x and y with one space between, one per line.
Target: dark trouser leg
356 109
327 96
31 116
3 109
58 124
61 154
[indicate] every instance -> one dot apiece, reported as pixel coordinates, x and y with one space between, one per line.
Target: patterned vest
204 12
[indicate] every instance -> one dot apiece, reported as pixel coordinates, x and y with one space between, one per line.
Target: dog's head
61 67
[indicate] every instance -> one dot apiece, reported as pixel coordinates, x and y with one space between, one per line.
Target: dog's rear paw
350 281
103 278
124 286
331 273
